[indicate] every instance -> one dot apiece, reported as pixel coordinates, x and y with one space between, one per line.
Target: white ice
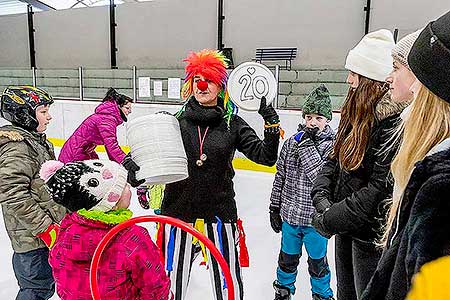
252 197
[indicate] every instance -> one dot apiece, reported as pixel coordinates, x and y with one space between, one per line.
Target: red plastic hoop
164 220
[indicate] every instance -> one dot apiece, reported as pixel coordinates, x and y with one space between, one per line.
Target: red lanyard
201 140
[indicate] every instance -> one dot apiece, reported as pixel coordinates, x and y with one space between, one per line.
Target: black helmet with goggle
19 104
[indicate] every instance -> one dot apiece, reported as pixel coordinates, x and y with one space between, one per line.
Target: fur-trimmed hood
10 136
388 107
10 133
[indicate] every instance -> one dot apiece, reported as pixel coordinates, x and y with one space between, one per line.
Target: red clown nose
202 85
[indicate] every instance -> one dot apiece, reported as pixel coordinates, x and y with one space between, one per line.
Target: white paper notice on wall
174 87
157 88
144 87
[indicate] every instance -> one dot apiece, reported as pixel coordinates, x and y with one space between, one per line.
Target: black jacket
208 192
358 196
421 231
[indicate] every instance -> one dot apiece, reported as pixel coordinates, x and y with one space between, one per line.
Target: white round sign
248 83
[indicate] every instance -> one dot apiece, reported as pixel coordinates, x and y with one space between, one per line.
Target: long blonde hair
427 125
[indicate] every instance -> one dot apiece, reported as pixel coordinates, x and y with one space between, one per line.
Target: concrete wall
72 38
14 50
322 30
406 15
159 34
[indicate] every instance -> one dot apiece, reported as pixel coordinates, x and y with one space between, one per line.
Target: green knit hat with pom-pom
318 102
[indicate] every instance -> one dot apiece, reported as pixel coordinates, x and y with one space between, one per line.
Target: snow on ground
252 196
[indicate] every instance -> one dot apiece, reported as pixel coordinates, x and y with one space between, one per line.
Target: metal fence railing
89 84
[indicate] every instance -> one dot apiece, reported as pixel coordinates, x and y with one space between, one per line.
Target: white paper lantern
157 148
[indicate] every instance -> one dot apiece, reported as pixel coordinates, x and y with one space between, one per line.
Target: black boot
281 292
318 297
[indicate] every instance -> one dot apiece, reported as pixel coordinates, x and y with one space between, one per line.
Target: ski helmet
19 104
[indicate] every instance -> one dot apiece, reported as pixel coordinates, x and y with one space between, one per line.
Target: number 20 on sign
249 82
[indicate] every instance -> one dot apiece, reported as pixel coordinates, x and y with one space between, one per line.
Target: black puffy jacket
208 192
421 230
358 196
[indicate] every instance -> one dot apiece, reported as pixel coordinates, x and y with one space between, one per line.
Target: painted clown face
205 91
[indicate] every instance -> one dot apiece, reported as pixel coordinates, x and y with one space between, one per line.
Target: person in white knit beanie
401 78
354 180
371 57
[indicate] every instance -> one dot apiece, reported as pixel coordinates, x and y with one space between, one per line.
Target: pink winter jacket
98 129
130 267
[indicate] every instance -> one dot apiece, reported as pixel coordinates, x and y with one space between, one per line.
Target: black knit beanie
429 58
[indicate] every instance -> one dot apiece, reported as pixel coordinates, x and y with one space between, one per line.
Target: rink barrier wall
239 163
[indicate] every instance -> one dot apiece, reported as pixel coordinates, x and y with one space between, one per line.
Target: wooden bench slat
265 56
281 48
275 52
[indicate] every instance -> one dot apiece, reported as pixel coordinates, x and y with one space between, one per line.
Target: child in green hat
291 207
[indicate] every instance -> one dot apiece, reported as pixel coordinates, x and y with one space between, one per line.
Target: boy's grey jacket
297 169
27 207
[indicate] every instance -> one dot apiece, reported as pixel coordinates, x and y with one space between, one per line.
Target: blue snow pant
292 240
34 275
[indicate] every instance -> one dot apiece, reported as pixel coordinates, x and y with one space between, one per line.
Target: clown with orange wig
212 132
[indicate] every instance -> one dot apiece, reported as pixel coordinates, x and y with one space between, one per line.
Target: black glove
321 202
318 224
275 218
312 132
268 113
132 168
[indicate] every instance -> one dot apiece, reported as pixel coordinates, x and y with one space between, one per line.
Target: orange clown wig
212 65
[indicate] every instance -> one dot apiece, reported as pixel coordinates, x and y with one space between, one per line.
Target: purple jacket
130 267
98 129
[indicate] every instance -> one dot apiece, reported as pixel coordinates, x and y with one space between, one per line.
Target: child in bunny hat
97 195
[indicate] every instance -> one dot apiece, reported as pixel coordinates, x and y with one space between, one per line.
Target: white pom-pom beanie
372 56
